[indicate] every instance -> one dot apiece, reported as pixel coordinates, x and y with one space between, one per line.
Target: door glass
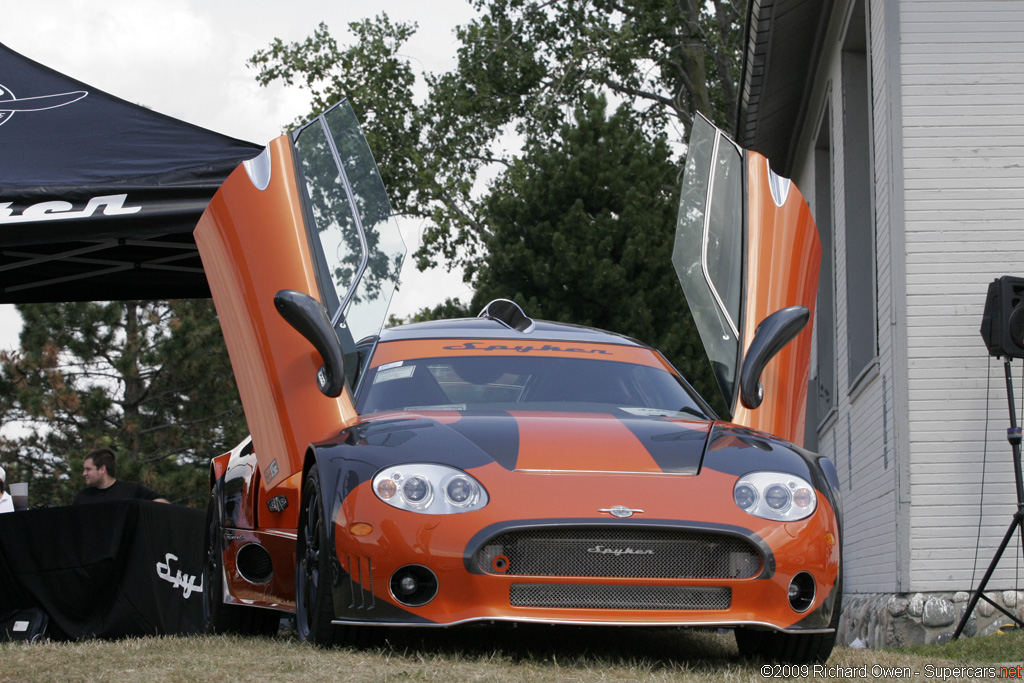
708 251
356 243
723 256
368 305
338 251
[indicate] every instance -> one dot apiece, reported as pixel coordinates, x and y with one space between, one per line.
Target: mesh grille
619 553
619 597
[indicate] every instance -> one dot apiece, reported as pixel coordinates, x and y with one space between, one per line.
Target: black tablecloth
106 570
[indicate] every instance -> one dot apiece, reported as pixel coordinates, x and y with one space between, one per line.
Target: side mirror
770 337
308 317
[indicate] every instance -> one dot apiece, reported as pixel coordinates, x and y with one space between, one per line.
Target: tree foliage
378 82
150 380
523 67
579 234
577 223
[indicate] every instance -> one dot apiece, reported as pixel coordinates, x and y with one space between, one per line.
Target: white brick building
902 122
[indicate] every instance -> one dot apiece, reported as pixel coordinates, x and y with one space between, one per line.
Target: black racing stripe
738 450
404 440
496 433
676 447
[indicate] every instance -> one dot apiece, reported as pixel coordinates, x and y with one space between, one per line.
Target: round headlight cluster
775 495
429 488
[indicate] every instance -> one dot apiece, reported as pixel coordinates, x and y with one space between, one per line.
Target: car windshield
520 382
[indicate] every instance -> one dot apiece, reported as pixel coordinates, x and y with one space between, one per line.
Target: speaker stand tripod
1013 435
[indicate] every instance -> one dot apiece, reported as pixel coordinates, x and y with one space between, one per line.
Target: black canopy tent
99 196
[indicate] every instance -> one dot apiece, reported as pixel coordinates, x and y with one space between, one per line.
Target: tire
314 599
792 648
219 617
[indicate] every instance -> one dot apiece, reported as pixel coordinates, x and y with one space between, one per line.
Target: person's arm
147 493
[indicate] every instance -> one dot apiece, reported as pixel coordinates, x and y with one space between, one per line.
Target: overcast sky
186 59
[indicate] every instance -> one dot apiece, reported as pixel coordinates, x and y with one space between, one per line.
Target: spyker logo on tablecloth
601 550
186 582
10 104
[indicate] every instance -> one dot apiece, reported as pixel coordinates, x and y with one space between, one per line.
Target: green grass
999 647
503 654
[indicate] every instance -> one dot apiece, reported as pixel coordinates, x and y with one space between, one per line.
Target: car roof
486 328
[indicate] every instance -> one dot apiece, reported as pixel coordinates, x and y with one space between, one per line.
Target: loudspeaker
1002 324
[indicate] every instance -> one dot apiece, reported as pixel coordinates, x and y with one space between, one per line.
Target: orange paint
253 243
783 260
389 352
440 542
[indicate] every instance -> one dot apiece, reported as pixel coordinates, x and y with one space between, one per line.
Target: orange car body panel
562 491
783 260
279 591
251 249
428 348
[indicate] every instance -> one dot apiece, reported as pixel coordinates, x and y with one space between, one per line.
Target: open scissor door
746 248
309 216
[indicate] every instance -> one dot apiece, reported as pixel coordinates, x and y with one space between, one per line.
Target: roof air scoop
508 314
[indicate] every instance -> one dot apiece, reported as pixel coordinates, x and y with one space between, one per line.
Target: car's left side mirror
308 317
770 337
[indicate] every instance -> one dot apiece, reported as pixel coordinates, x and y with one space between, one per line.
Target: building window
822 396
861 303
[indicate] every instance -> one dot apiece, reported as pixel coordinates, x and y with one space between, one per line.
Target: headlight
430 489
775 495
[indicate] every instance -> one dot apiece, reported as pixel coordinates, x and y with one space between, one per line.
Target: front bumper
745 584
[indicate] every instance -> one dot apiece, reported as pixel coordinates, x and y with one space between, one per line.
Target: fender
237 488
218 466
341 471
245 501
738 450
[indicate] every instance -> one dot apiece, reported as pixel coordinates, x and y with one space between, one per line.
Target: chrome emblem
601 550
620 511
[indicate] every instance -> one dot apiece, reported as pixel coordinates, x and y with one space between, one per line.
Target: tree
579 234
150 380
527 67
523 67
375 78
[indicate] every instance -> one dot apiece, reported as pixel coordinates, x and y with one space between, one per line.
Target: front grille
620 597
620 553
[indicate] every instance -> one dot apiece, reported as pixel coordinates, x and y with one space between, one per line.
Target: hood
541 442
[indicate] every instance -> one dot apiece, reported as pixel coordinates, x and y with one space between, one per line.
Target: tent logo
10 104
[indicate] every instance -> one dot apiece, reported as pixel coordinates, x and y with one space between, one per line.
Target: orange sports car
502 468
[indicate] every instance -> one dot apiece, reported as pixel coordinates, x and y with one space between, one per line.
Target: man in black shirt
99 471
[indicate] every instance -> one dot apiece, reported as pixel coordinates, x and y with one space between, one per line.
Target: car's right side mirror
770 337
308 317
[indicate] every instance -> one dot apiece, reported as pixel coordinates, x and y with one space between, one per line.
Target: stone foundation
887 620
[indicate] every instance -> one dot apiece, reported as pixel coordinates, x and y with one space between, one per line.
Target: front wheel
314 602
